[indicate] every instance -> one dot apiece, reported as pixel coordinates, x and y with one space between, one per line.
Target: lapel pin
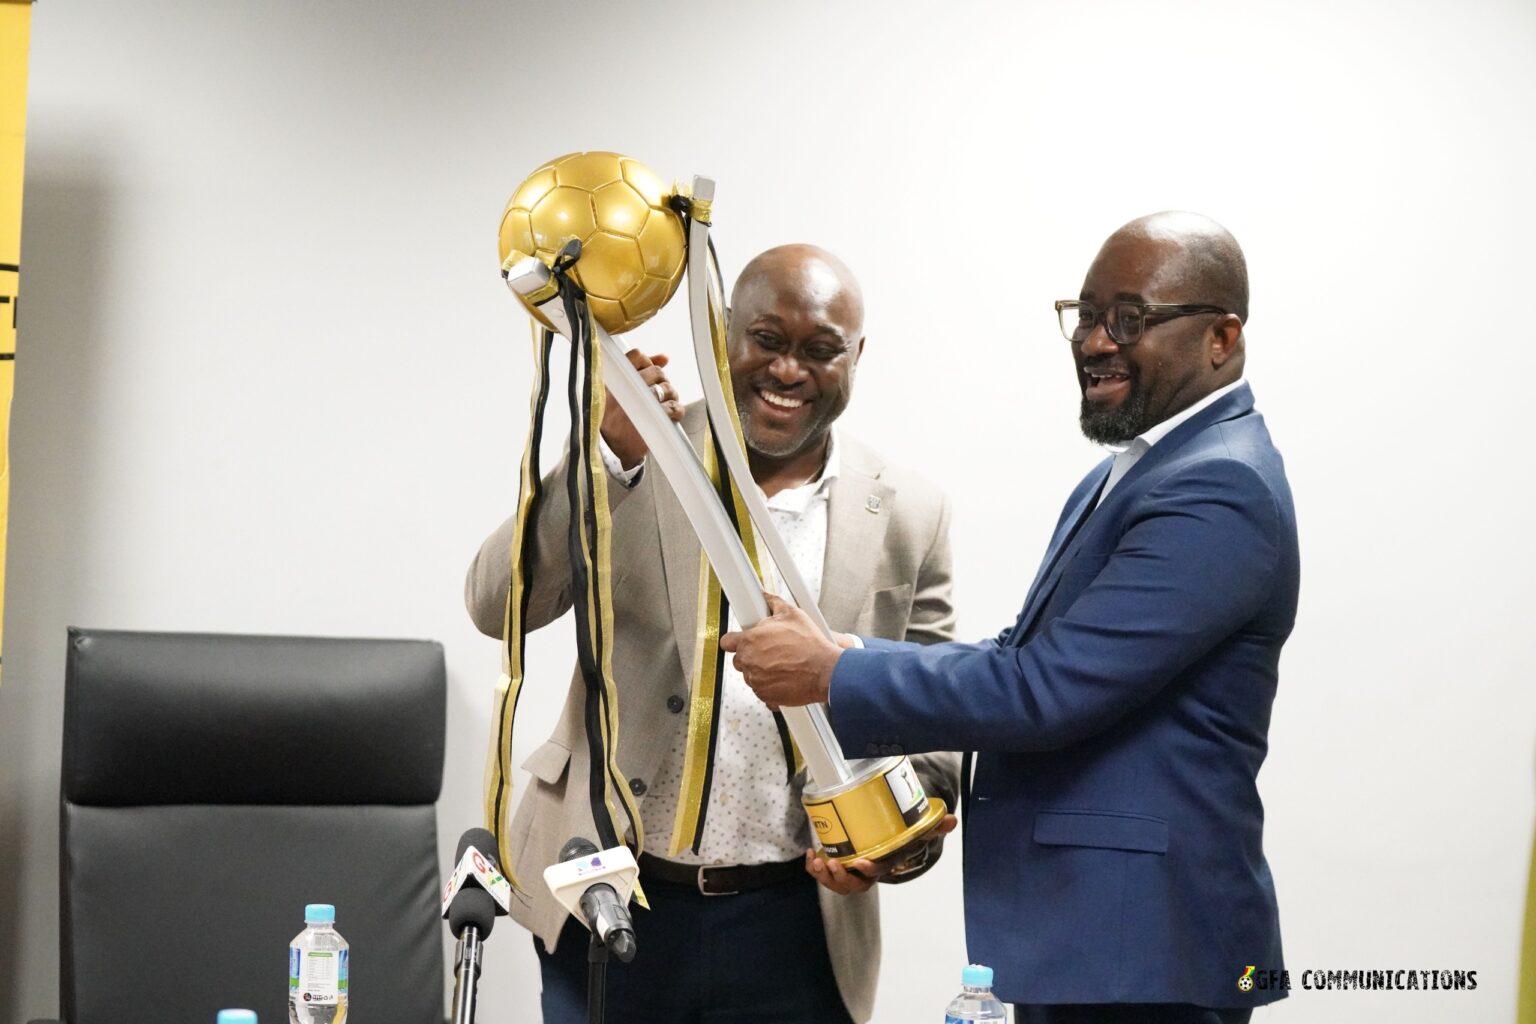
872 504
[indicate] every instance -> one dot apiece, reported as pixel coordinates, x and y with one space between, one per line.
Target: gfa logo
1253 978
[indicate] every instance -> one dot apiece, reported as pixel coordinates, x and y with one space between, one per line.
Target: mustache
770 384
1104 368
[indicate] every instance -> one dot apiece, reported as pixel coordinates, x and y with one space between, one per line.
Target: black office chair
214 785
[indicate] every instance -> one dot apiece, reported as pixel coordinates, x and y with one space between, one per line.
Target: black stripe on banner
601 638
788 745
600 584
721 625
597 775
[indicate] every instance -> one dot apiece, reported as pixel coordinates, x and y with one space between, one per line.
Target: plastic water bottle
975 1001
317 970
237 1017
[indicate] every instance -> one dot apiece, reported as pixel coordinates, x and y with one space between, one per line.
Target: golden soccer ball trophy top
633 246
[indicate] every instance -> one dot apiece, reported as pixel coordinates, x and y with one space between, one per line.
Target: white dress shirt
754 814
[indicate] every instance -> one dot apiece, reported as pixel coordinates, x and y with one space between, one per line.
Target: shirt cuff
627 477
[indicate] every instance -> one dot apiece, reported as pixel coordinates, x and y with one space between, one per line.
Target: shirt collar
797 499
834 463
1152 435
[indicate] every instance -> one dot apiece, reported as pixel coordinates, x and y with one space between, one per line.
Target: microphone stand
466 977
597 979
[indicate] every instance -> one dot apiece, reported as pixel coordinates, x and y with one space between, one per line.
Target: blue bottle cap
319 913
976 976
237 1017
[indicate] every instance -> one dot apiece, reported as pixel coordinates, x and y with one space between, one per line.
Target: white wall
269 380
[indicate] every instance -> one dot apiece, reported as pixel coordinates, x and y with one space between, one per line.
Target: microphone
476 894
585 881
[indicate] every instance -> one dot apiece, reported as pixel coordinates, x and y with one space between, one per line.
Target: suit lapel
1071 528
1238 403
859 506
1068 541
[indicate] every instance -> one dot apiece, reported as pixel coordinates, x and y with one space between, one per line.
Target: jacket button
873 750
637 787
674 704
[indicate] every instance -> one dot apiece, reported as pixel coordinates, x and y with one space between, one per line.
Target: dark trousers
757 956
1128 1013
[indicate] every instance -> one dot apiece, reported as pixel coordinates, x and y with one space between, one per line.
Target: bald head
1198 258
813 274
1187 274
794 334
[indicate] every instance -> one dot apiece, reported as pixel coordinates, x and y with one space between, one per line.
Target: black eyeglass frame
1151 312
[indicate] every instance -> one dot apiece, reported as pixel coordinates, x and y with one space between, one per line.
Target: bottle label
322 978
950 1018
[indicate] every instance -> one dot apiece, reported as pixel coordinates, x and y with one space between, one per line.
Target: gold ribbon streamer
704 690
498 782
596 539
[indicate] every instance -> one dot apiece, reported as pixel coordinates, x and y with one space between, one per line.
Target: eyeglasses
1126 322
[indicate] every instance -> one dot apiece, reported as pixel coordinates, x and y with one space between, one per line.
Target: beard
1118 425
777 446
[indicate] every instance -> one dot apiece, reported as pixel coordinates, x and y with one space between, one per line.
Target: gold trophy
593 244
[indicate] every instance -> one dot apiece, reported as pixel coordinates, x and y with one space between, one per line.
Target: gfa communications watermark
1404 980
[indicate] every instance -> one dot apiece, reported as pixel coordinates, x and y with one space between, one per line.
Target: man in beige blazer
873 538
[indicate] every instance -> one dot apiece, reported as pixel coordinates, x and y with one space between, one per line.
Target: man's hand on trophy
785 658
859 875
620 434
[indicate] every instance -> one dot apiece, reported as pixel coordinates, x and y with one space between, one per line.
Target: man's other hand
859 875
785 658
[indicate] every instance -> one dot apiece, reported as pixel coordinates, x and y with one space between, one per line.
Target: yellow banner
1527 997
15 31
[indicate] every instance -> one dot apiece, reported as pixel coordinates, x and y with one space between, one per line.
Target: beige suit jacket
887 574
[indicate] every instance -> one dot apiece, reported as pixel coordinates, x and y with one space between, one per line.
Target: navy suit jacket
1114 836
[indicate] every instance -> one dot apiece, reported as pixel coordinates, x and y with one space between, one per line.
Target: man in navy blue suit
1114 862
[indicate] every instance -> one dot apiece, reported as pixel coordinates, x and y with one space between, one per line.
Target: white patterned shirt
754 814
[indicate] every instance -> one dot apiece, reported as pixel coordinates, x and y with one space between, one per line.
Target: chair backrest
214 785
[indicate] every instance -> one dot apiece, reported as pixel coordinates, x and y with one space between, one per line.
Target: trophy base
875 814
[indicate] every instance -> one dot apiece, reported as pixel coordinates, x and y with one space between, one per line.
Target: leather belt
719 879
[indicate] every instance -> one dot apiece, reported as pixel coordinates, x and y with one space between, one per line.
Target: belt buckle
704 890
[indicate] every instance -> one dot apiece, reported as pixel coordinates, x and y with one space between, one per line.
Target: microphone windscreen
482 840
471 906
576 847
